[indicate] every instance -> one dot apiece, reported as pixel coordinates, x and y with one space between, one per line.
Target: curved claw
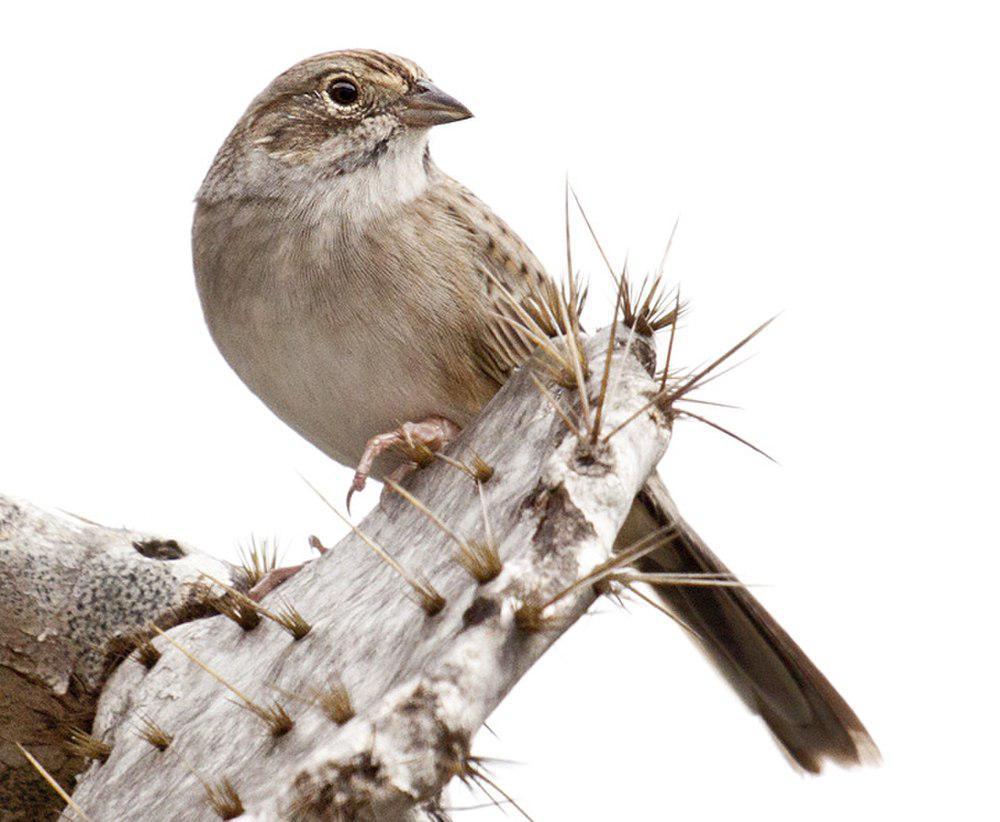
360 478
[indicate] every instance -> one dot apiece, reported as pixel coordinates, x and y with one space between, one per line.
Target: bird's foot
273 578
417 440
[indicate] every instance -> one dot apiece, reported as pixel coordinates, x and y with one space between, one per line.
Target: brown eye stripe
382 63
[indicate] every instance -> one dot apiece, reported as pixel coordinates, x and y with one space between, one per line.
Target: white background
837 162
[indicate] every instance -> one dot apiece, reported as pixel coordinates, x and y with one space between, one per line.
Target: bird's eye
342 92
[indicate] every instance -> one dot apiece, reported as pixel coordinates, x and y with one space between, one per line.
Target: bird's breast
322 330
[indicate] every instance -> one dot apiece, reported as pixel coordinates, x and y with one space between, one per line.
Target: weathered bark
72 595
421 684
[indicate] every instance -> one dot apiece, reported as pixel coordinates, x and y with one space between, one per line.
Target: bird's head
329 116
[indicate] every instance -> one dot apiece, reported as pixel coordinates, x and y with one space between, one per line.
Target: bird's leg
418 440
273 578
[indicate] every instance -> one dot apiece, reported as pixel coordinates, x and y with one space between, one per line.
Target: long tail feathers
807 716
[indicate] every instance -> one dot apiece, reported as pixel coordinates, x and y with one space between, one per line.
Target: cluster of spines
258 560
644 310
247 612
150 732
85 745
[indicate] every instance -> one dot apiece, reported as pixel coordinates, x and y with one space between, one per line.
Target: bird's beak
426 105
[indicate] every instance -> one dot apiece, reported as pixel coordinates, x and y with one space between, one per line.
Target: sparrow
360 293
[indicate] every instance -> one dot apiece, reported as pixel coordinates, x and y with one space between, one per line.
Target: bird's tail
810 720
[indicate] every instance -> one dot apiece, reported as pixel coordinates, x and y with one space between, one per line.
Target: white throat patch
396 177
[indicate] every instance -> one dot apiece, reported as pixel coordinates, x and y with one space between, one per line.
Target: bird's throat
394 174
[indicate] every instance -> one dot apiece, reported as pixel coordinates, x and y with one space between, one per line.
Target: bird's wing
521 304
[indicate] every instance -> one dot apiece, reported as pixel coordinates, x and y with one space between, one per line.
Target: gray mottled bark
421 680
72 594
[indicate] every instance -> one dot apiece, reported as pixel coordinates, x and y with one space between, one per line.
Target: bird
360 292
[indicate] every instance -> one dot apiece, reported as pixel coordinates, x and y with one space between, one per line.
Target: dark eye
342 92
